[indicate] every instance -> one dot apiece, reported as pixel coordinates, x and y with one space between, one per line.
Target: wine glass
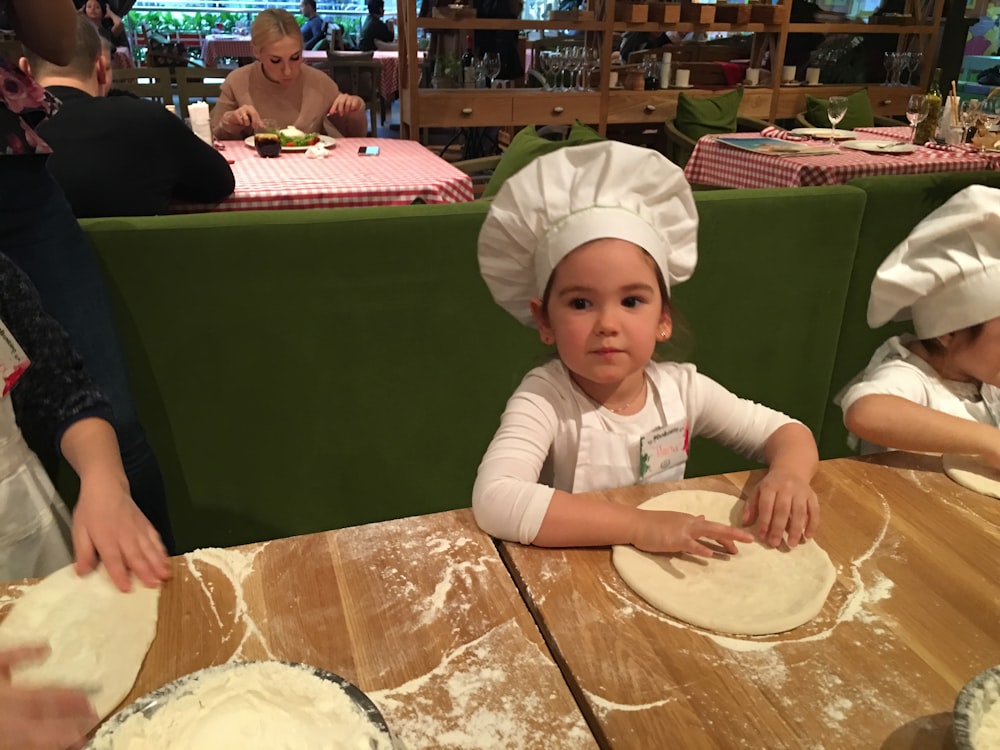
916 112
887 62
836 108
546 63
573 64
915 60
968 115
491 66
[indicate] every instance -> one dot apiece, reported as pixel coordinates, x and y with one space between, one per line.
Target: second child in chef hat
585 244
936 391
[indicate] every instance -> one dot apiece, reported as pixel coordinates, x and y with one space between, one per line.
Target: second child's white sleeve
507 499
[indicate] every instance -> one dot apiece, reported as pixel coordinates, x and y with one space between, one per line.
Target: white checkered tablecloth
214 47
401 173
714 163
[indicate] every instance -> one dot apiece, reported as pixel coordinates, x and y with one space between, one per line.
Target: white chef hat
946 274
581 193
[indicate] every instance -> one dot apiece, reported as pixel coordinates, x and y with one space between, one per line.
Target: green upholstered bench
304 370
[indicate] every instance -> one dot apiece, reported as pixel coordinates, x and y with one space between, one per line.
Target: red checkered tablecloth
214 47
901 133
714 163
401 173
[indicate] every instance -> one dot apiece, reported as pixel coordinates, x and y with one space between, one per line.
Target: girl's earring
547 338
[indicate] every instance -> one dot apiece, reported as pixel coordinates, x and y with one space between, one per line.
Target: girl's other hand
782 503
672 531
40 718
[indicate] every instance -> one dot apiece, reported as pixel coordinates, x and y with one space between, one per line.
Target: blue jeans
40 234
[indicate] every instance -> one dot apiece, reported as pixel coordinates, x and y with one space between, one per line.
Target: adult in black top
121 156
374 27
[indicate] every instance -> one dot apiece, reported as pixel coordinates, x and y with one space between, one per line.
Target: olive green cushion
712 116
528 145
859 112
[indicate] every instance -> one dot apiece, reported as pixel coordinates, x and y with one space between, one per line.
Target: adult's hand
40 718
242 117
346 103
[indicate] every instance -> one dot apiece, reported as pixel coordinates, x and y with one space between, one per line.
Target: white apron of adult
606 460
35 535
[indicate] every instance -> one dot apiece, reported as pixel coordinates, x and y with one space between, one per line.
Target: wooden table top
420 613
914 613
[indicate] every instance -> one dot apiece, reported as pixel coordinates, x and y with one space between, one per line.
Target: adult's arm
203 176
224 128
47 27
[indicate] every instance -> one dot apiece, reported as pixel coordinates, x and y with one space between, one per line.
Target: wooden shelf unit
459 107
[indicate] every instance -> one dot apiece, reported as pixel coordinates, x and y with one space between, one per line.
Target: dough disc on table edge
759 591
972 473
97 635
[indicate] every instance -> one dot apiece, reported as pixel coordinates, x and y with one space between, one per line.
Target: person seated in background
376 33
314 29
92 132
108 23
278 87
937 391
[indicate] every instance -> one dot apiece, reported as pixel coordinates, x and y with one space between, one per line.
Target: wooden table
914 613
419 613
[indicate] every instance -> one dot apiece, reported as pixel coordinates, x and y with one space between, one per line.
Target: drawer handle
650 107
886 102
557 110
466 110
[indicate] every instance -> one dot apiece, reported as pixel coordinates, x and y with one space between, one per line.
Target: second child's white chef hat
578 194
946 274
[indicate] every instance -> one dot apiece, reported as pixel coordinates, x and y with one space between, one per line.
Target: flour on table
98 636
972 472
246 706
760 590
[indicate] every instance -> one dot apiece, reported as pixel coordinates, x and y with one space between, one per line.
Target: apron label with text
13 360
663 448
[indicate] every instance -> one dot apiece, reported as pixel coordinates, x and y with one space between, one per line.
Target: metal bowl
151 702
979 695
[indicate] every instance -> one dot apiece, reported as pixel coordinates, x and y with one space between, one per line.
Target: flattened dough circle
98 635
758 591
972 472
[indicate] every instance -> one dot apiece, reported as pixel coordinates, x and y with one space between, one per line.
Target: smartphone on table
368 151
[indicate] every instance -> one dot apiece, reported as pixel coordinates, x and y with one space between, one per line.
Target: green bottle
928 127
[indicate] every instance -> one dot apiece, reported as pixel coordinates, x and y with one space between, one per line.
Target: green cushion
528 145
711 116
859 112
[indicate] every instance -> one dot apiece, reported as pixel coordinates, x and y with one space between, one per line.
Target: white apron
606 460
35 535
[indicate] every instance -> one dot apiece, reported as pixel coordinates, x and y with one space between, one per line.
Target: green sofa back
894 205
304 370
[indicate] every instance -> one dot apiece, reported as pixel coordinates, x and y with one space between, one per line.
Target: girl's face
93 10
975 358
604 314
282 60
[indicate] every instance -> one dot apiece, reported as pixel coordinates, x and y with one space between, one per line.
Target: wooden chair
678 147
194 84
155 84
356 73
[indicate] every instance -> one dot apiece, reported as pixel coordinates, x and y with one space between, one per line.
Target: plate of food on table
293 139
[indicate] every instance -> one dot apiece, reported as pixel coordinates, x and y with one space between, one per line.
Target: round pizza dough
972 472
98 636
758 591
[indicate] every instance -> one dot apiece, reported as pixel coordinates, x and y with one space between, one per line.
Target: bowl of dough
248 705
976 716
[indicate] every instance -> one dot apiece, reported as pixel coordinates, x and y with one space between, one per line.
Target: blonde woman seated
279 87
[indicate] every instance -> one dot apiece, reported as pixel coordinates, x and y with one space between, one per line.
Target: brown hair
89 46
271 25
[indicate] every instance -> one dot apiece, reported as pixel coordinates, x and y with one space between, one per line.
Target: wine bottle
928 127
468 64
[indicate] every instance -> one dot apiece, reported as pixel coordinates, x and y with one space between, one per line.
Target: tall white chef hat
581 193
946 274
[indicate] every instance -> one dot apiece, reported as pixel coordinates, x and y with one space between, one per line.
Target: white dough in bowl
98 635
972 472
758 591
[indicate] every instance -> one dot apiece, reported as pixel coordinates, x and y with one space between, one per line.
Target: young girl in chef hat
585 243
936 391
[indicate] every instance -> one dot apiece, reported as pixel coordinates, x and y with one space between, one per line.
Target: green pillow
859 112
711 116
528 145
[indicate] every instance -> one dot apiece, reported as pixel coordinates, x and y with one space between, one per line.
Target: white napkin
947 117
200 125
316 151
